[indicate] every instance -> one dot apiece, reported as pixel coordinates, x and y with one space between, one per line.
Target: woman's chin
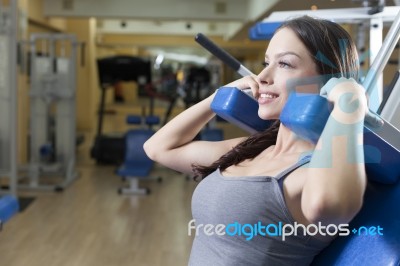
267 116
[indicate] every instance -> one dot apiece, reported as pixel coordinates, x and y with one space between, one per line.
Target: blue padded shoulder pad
239 109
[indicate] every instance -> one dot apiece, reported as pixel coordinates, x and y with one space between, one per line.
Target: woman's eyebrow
283 54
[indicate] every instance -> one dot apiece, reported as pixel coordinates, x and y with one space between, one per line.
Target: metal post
8 94
14 99
381 59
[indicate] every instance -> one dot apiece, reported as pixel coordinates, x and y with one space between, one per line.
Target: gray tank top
238 201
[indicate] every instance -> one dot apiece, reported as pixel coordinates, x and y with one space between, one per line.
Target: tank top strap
303 160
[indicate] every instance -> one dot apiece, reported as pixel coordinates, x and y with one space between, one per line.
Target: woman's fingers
243 83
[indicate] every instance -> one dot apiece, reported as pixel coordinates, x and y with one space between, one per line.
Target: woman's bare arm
173 145
336 179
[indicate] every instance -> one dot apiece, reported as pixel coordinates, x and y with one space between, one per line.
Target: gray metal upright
52 110
8 95
382 57
391 110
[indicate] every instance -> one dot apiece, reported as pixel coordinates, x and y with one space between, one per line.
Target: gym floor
90 224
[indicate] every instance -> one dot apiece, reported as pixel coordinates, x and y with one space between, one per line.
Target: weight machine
379 55
382 154
356 16
52 134
391 105
381 143
8 111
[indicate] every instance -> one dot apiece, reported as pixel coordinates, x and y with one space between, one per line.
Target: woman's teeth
268 95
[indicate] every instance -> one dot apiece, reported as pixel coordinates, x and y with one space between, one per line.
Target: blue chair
9 206
381 208
212 134
136 164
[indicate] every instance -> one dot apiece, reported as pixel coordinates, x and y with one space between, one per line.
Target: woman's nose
265 76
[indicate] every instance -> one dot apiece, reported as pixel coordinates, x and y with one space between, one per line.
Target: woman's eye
265 64
285 64
281 64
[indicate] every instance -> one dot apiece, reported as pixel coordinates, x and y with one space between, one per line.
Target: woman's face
286 60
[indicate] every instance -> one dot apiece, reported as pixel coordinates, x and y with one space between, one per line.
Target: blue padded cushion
306 115
152 120
212 134
136 162
263 30
381 208
382 159
133 119
8 207
239 109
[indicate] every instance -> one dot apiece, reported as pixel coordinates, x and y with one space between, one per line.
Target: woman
266 178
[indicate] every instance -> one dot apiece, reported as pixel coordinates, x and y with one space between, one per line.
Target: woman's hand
349 99
245 83
335 90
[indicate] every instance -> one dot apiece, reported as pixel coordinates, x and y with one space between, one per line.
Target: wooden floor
89 224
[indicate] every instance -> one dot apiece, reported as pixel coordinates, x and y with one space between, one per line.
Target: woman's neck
287 142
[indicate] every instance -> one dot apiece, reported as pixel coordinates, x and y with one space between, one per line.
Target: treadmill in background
110 148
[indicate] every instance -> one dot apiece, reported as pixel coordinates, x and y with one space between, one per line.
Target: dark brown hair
335 55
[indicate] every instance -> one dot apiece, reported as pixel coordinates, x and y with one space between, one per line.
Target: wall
87 91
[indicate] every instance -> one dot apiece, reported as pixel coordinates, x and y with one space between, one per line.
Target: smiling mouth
268 96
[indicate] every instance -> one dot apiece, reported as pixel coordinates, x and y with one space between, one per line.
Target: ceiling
181 17
229 20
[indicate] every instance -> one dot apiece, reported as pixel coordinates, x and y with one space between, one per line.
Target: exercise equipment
264 30
306 115
222 54
390 106
380 208
382 145
196 85
230 103
9 206
110 148
212 134
8 97
224 57
52 128
137 166
168 92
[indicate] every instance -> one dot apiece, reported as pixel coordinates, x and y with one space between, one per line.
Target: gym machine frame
8 96
379 55
52 90
360 16
9 204
380 162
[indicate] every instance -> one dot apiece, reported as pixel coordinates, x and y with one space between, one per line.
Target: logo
281 230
